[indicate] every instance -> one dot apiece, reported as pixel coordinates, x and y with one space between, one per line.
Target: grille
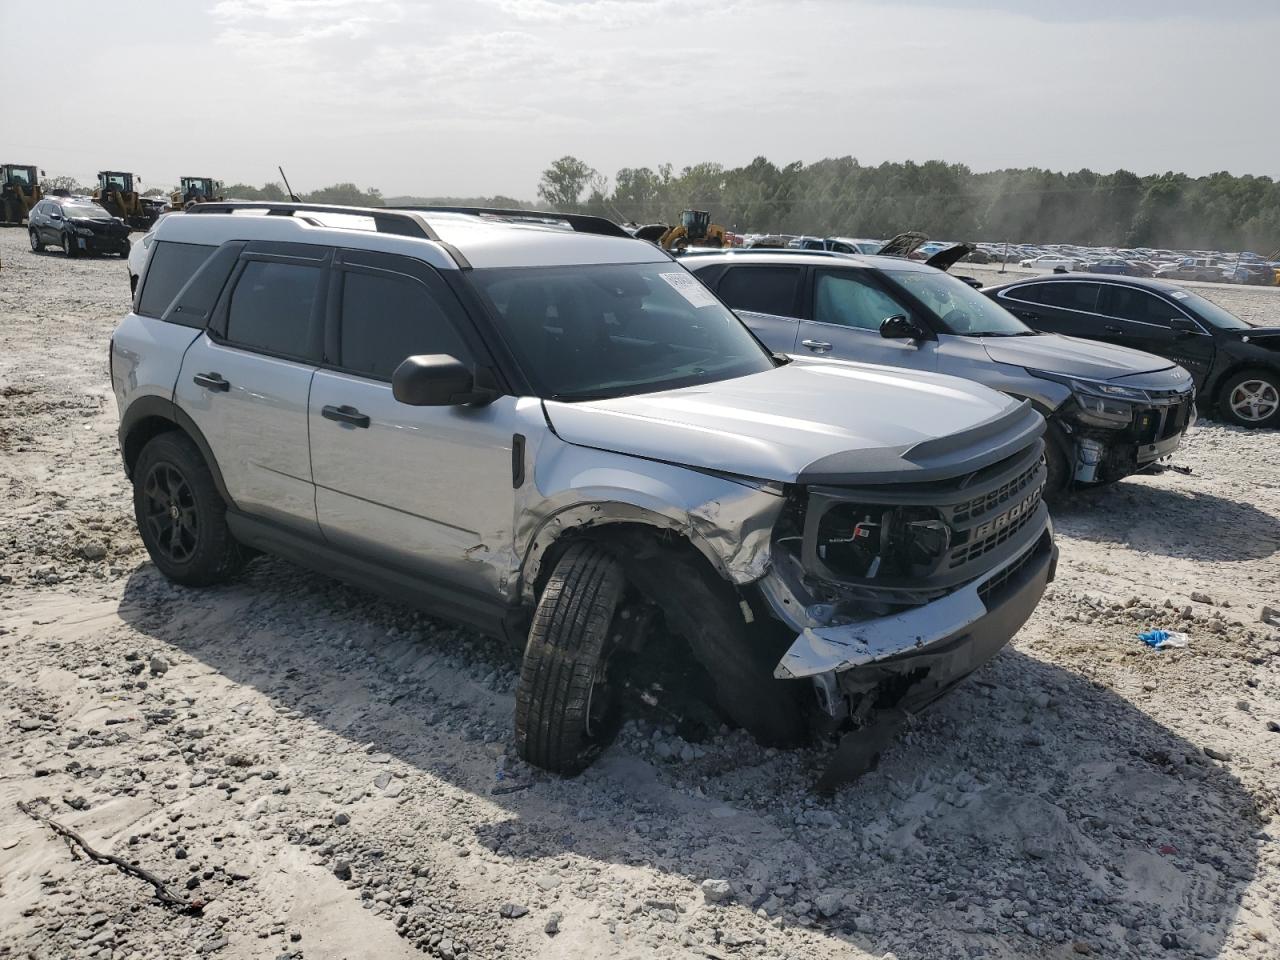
972 509
968 552
992 586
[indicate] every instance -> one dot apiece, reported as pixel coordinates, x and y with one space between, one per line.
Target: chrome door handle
817 346
211 381
345 414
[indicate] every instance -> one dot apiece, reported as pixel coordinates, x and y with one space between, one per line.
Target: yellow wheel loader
19 192
695 229
117 192
195 190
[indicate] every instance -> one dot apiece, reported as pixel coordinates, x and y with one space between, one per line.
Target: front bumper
1103 455
949 638
99 243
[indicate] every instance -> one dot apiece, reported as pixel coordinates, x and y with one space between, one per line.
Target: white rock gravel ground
328 772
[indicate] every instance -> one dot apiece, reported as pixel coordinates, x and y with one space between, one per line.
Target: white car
1049 262
140 251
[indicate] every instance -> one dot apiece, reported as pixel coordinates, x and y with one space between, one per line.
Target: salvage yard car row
543 427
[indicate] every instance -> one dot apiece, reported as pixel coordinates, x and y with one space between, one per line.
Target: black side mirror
1183 325
899 327
439 380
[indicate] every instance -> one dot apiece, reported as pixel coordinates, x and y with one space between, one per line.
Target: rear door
1144 320
846 308
425 489
1068 307
246 380
767 298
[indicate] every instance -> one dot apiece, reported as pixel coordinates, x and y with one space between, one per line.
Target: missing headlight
859 541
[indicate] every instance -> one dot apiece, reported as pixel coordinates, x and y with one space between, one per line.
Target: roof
810 257
1160 286
445 238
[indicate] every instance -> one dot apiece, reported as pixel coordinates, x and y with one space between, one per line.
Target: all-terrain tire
180 514
565 662
1235 407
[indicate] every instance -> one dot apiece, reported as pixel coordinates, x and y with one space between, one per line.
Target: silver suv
539 426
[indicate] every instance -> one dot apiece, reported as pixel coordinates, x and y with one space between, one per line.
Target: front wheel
68 245
180 514
1251 398
124 249
566 710
37 245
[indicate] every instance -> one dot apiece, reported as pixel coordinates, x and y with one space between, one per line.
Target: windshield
89 210
20 176
590 332
962 309
1209 311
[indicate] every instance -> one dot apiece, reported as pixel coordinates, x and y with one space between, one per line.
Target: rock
342 869
180 853
512 911
93 550
716 891
1273 726
1170 941
341 819
382 780
553 925
1243 705
1198 597
29 723
828 904
237 871
548 882
158 667
1220 755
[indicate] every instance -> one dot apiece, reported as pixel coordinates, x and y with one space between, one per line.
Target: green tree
348 194
562 184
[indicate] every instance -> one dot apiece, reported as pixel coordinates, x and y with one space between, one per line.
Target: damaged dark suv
539 426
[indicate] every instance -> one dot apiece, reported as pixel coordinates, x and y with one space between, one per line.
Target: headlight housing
1101 404
83 232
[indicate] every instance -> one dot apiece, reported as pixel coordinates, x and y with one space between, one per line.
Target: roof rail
386 220
580 222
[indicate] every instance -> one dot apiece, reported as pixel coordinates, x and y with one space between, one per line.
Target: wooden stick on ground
163 893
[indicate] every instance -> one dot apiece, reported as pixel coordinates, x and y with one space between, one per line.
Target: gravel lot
327 773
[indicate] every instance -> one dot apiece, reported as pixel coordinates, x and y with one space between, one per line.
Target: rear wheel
566 708
1251 398
180 514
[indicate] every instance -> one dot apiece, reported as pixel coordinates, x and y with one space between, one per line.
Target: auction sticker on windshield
689 288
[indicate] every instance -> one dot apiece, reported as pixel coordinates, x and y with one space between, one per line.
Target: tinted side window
761 289
272 308
169 268
1128 303
1031 293
387 317
1069 296
848 300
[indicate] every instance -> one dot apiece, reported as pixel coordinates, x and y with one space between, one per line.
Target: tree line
841 197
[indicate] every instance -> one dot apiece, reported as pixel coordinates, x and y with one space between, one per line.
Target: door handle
817 346
1109 328
345 414
212 381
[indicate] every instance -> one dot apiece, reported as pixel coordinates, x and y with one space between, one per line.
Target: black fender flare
156 407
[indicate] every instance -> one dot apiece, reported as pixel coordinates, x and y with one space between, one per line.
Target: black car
77 225
1236 366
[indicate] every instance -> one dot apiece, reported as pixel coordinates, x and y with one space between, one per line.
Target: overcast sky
477 96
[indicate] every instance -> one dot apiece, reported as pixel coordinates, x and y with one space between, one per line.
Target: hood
1270 334
101 223
1088 359
811 421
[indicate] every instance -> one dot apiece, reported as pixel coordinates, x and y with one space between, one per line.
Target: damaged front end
1115 429
899 591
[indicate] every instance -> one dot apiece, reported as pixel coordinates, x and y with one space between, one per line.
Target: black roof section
1149 283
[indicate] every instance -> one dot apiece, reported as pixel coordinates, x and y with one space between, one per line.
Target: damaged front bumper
1104 454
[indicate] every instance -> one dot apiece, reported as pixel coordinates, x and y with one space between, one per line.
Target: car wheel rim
169 512
1254 400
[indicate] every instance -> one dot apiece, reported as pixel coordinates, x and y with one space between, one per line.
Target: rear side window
1068 296
273 309
761 289
388 317
169 268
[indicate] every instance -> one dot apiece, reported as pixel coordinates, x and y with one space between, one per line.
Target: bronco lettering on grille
1009 516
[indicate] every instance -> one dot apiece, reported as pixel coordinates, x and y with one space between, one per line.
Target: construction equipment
116 192
19 192
195 190
695 229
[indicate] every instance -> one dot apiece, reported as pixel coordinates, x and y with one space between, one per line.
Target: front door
426 489
848 306
1145 319
246 382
